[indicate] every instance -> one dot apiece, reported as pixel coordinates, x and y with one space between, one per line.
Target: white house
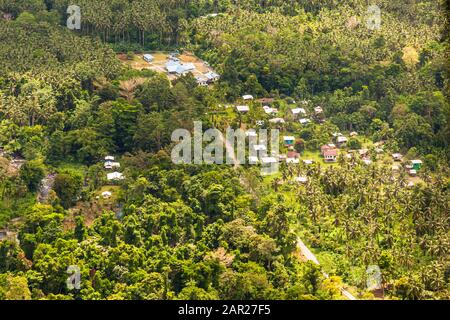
277 120
243 108
212 76
270 110
341 140
318 110
298 111
185 68
148 57
201 81
109 158
115 176
304 121
106 194
247 97
397 156
112 165
289 140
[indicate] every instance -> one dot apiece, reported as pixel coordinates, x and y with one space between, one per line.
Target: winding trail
311 257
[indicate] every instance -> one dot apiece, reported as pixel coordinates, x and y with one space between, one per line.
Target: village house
266 101
111 165
211 76
175 67
106 194
341 141
297 111
363 153
329 153
318 110
115 176
201 80
397 156
270 110
288 140
416 164
353 134
293 157
247 97
304 121
243 109
277 120
308 161
148 57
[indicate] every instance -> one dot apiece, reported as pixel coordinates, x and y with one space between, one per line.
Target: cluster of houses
299 114
174 66
412 166
110 164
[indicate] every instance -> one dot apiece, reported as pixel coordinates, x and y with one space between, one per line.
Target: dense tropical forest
69 98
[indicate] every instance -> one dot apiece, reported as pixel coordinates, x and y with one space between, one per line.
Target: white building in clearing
318 110
109 158
247 97
179 68
115 176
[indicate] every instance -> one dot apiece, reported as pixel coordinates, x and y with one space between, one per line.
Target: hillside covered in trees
69 98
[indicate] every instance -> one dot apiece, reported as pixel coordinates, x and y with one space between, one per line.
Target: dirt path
311 257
